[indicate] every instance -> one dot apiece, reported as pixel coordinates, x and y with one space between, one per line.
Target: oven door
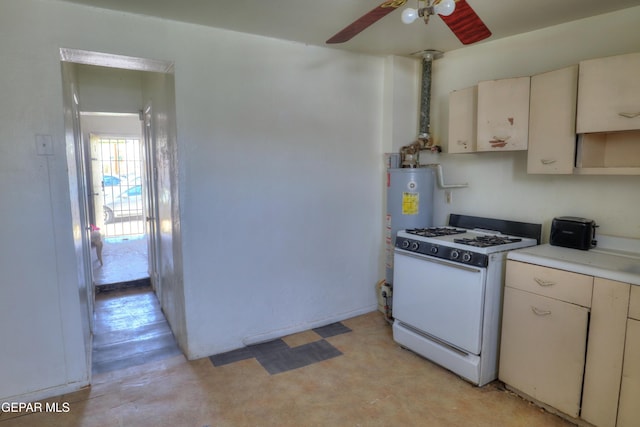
440 298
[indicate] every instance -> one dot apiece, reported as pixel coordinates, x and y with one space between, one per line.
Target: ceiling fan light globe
409 15
445 7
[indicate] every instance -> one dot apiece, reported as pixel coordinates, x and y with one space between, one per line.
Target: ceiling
314 21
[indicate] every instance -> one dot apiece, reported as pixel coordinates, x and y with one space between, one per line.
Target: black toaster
573 232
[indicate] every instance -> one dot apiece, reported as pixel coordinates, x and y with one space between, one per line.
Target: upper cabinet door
462 120
609 94
552 131
503 114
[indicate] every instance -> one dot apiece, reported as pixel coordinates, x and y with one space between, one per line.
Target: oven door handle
428 258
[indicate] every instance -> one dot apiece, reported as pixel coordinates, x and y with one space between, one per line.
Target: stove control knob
415 246
455 254
405 244
466 257
434 249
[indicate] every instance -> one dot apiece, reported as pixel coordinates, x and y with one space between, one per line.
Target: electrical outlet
44 145
447 196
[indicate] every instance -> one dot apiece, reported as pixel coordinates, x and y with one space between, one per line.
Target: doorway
98 83
117 208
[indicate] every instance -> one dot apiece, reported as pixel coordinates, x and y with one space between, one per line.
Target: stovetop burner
487 241
435 231
468 240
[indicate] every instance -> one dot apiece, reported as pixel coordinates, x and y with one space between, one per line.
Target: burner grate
435 231
487 241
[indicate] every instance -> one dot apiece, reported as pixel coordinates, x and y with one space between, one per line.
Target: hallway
130 330
129 326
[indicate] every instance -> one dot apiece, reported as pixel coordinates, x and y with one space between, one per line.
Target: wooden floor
130 330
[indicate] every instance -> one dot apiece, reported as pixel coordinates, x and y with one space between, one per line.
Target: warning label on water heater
410 203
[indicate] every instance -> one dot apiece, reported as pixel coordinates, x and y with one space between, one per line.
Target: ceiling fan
457 14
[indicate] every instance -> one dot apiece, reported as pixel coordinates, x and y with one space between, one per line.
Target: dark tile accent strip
232 356
297 357
248 352
269 347
277 357
331 330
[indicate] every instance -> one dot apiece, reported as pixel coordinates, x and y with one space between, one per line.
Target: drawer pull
543 282
629 115
539 312
547 161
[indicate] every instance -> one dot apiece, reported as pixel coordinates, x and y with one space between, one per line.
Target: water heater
409 205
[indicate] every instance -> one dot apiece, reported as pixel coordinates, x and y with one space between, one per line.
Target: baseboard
260 338
279 333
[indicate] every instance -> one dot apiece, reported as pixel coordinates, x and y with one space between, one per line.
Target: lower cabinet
543 348
572 342
605 352
629 409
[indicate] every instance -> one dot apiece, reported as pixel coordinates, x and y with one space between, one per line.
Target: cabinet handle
539 312
542 282
629 115
547 161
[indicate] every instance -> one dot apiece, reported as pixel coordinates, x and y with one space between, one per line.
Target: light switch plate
44 145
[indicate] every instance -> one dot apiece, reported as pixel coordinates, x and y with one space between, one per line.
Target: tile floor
124 258
277 356
371 382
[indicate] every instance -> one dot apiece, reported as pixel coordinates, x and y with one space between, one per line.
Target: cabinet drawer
563 285
634 303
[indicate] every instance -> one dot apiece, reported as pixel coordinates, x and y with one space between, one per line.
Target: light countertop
614 258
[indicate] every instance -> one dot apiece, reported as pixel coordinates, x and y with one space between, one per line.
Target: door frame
150 194
74 136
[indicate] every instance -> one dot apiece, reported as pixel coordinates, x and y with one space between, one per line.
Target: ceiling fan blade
365 21
466 24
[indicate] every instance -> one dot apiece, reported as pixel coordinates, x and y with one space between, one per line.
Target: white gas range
447 291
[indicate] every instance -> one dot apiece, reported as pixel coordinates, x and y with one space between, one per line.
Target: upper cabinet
552 133
608 116
503 114
583 119
609 94
462 120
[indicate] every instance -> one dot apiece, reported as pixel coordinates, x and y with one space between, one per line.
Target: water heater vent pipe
439 175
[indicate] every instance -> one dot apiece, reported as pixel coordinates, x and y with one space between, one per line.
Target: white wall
42 349
280 150
280 157
499 185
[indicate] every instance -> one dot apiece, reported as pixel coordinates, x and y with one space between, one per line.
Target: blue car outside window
110 181
134 191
